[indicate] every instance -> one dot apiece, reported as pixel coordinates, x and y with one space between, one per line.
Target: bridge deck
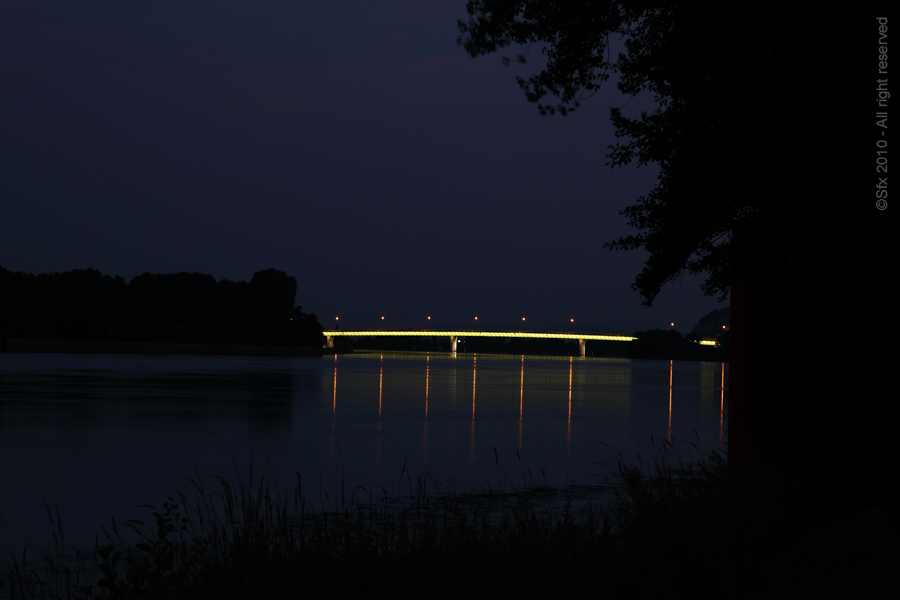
472 333
458 333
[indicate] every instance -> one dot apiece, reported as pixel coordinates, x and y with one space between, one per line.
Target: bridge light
523 318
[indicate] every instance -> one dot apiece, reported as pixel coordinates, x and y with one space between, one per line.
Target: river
98 435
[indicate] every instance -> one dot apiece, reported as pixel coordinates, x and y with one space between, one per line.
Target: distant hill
711 324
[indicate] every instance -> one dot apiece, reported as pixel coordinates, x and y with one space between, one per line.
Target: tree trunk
755 390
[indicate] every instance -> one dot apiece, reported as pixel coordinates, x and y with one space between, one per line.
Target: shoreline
93 347
30 346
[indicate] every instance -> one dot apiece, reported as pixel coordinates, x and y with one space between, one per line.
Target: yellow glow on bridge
464 333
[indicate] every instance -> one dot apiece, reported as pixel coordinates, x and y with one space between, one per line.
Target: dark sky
352 144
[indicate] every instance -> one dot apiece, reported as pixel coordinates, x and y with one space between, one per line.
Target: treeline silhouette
182 307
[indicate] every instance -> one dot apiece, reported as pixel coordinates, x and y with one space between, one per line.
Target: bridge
455 335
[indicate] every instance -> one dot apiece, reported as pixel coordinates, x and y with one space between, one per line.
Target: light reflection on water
100 434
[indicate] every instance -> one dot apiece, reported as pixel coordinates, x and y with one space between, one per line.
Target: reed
675 526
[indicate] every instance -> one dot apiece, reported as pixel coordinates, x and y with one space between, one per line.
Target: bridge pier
452 343
581 347
329 341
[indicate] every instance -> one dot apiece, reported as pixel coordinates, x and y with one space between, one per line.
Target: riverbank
89 347
674 528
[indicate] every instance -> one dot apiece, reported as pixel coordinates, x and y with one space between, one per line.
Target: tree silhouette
270 303
172 308
756 135
733 123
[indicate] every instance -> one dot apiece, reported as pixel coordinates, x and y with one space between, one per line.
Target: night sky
353 145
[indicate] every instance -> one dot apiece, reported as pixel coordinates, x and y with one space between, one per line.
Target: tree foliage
734 133
175 308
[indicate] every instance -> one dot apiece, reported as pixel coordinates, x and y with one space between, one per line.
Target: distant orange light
429 318
672 324
723 327
476 318
523 318
382 318
571 320
336 318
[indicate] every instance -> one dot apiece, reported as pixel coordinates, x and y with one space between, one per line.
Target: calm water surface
98 435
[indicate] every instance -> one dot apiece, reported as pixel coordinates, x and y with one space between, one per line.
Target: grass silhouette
660 525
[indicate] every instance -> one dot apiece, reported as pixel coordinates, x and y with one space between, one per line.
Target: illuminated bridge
454 335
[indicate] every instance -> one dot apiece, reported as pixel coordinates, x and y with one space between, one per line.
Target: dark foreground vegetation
186 308
665 527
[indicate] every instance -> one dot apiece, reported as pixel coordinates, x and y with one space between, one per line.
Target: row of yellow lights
476 318
523 318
